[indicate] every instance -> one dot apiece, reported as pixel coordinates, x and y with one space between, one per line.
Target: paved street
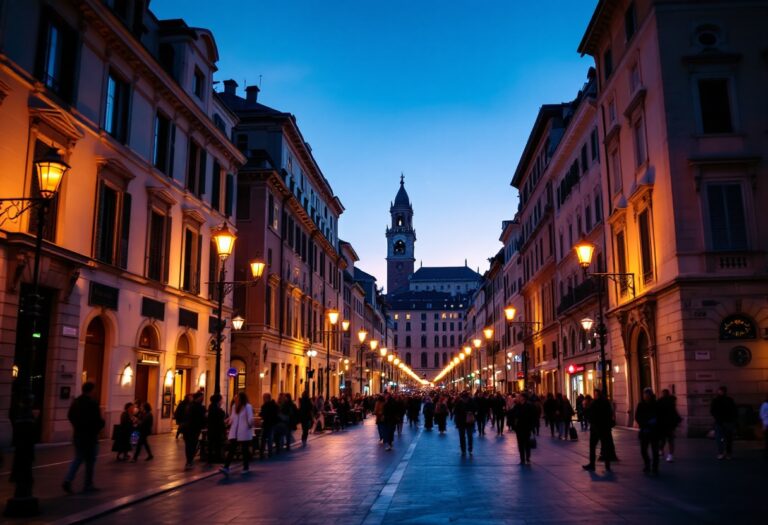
347 478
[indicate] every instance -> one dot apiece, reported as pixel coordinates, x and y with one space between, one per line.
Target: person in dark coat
429 413
723 410
85 416
193 425
269 419
523 421
464 416
600 417
146 421
441 414
580 411
669 419
392 415
481 415
217 428
550 407
305 416
180 414
499 407
646 416
123 431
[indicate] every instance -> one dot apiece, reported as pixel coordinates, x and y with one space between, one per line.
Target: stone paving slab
349 479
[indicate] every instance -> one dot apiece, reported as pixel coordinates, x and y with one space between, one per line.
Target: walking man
600 417
723 409
86 420
523 421
646 415
464 416
193 425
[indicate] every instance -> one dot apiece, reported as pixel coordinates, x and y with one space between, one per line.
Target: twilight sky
445 91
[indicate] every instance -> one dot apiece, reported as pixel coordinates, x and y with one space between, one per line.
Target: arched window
445 359
183 346
423 341
437 341
407 341
437 360
424 362
445 340
148 338
408 358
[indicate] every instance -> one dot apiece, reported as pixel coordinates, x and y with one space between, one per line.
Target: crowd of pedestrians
239 431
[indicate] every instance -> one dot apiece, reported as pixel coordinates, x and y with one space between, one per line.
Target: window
190 269
612 112
163 144
594 145
437 361
616 170
621 260
57 50
584 163
423 327
199 83
630 22
408 341
646 254
437 341
445 358
424 362
715 105
607 64
116 107
243 202
408 358
273 214
158 243
423 341
727 223
634 78
588 217
407 326
113 224
598 208
229 189
196 164
641 152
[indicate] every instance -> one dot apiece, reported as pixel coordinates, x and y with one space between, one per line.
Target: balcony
576 295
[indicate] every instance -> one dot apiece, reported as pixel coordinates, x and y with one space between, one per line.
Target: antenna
260 80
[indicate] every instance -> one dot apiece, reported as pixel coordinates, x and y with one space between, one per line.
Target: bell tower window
399 247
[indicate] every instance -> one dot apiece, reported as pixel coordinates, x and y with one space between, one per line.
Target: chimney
252 94
230 87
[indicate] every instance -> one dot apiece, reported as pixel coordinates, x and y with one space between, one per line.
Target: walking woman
240 432
123 431
305 416
145 429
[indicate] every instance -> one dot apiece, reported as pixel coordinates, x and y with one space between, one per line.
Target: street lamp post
361 336
311 372
584 252
476 342
50 171
509 314
488 333
383 353
333 318
374 344
468 353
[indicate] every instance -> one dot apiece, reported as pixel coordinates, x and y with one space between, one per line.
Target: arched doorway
147 367
644 365
183 380
93 359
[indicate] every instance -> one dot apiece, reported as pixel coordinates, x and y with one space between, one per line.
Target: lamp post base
21 507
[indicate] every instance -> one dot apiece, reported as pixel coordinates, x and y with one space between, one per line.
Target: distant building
427 306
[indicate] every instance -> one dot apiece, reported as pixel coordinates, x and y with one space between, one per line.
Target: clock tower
401 238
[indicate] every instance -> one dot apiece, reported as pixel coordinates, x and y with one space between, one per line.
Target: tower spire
402 179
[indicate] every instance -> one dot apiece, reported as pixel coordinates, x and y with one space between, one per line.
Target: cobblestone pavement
348 478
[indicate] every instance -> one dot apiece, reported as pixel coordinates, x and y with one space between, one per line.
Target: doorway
146 384
93 359
644 365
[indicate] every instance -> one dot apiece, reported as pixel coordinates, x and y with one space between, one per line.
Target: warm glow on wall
126 378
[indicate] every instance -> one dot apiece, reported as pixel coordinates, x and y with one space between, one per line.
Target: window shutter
99 233
202 172
228 196
167 247
125 229
216 187
171 150
198 263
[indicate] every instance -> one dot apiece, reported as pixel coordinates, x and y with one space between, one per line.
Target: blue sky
443 91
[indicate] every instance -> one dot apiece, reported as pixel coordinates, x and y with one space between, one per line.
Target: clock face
737 327
740 356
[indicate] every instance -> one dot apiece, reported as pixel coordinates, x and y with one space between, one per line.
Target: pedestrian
144 427
429 413
764 420
499 407
464 417
319 424
646 416
85 416
392 414
585 408
550 408
268 414
217 428
481 415
123 431
579 408
240 433
441 414
180 414
723 410
523 421
669 419
378 412
194 423
305 416
601 421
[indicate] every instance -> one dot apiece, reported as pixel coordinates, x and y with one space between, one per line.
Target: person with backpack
85 416
240 433
144 427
